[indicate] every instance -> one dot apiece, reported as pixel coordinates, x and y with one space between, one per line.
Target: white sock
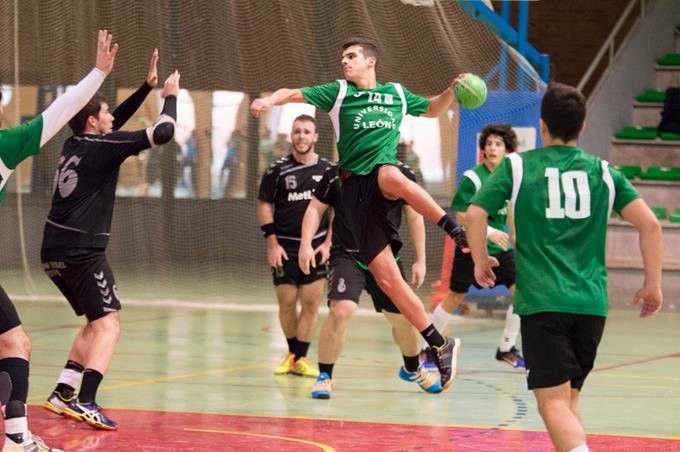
441 320
16 425
71 377
511 330
581 448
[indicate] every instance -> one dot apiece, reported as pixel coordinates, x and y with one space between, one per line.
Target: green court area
219 360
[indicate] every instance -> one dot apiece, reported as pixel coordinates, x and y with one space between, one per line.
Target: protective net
185 225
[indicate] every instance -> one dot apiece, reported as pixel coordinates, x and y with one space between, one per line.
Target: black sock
432 336
17 368
88 389
301 349
411 363
328 368
291 344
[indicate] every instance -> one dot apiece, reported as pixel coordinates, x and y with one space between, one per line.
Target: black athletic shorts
291 274
560 347
9 318
86 280
463 271
366 209
347 280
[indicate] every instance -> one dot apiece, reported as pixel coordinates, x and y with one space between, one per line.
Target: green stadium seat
630 171
652 96
661 213
675 216
669 136
669 59
636 133
661 173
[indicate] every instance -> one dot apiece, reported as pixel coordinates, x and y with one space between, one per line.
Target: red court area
143 430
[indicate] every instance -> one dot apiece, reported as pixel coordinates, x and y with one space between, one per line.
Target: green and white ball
470 91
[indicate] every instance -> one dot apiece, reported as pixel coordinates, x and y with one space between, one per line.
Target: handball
470 91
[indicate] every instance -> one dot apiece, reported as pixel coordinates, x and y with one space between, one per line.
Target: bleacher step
645 152
647 114
666 76
659 193
623 252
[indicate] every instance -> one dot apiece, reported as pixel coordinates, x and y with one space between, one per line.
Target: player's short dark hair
563 111
79 121
502 130
368 46
306 118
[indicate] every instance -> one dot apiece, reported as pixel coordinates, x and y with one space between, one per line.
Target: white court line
229 307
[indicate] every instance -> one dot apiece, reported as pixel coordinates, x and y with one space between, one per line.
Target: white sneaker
30 443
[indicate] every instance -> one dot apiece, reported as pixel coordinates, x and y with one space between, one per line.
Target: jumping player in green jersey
366 117
16 145
562 198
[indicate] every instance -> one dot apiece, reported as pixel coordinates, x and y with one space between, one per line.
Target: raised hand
171 85
106 53
152 77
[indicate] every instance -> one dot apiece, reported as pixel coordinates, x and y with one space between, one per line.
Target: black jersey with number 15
288 185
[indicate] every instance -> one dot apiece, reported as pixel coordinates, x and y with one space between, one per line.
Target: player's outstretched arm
66 106
163 129
416 231
440 103
129 106
310 224
279 97
651 247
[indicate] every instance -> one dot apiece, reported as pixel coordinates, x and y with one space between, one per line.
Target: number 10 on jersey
572 186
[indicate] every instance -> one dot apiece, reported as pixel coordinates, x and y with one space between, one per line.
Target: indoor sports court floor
200 378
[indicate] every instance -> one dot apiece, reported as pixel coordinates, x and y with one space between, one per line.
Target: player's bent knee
391 180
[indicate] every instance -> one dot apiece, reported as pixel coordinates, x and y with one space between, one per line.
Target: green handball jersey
16 145
473 179
366 122
562 199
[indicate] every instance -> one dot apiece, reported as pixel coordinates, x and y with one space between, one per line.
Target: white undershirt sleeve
68 104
